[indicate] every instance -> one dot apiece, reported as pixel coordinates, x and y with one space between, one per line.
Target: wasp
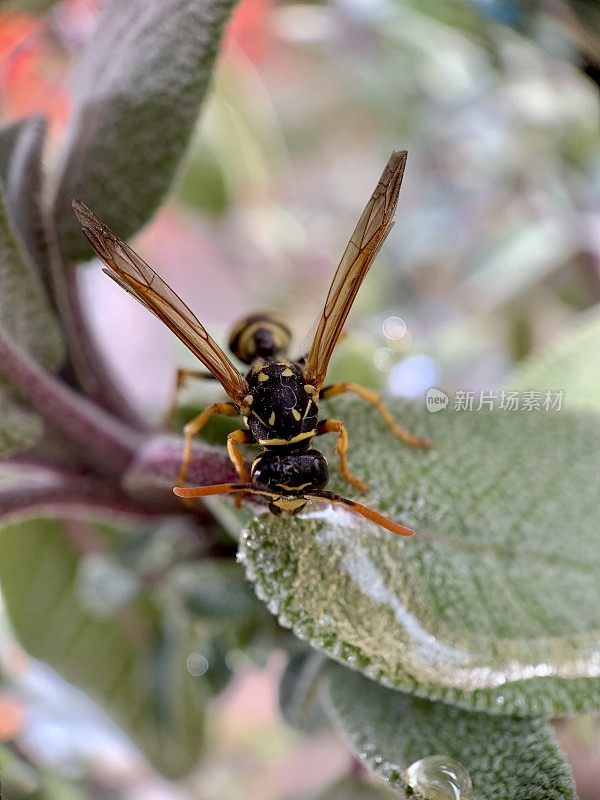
278 398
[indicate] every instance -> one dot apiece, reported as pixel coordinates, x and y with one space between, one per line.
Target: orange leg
195 426
337 426
374 399
234 440
183 375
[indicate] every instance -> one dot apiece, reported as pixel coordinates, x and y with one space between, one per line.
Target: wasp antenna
219 488
205 491
364 511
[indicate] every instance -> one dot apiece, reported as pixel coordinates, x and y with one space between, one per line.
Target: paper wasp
278 398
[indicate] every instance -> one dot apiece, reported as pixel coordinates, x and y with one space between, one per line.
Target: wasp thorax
291 473
263 335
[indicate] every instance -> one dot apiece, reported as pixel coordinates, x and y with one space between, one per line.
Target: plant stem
104 439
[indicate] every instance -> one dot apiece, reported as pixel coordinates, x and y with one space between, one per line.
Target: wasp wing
132 273
374 225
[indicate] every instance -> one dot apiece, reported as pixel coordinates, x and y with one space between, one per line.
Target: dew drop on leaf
439 778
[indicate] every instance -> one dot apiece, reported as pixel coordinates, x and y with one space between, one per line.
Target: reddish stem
106 440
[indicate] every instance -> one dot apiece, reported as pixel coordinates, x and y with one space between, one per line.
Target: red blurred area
249 29
35 51
32 70
12 716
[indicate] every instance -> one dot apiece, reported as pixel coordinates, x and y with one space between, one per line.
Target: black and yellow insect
278 398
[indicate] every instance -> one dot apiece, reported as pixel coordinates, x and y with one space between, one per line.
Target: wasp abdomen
262 335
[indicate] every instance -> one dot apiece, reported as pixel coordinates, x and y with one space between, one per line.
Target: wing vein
132 273
374 225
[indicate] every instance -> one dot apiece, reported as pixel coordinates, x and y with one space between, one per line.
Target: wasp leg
183 375
195 426
234 440
375 400
337 426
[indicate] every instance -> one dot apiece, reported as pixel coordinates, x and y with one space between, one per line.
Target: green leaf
493 604
125 661
512 262
26 317
36 6
355 788
19 428
137 91
18 779
507 758
216 590
25 313
299 691
571 365
21 146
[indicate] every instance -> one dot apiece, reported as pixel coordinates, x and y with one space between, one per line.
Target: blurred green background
495 254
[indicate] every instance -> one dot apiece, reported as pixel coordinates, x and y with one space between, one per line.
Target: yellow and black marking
277 398
283 413
262 335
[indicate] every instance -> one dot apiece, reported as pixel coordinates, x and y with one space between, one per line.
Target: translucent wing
132 273
373 226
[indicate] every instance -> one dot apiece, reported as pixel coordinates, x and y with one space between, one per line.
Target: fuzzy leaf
19 779
217 591
137 90
356 788
572 365
19 428
26 317
25 313
507 758
299 691
494 603
21 146
118 655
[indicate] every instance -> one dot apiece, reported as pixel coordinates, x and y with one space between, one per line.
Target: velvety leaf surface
354 788
26 317
299 691
25 313
84 615
19 779
21 146
137 90
571 365
507 758
494 603
216 590
19 428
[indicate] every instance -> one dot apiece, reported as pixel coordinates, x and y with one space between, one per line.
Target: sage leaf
136 94
493 605
21 146
25 317
19 428
356 788
572 365
299 691
25 313
123 660
507 758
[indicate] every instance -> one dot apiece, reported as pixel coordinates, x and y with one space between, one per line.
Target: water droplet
439 778
394 328
197 664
